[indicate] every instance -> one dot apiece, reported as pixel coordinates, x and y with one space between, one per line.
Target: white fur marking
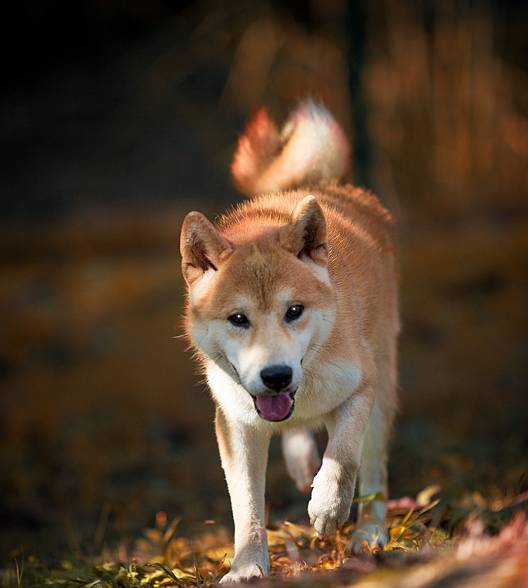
198 289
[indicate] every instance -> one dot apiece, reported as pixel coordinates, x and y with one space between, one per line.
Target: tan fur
330 248
311 147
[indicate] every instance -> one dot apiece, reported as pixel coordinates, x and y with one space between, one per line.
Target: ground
106 430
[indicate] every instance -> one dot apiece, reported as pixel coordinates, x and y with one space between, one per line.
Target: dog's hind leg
370 529
301 456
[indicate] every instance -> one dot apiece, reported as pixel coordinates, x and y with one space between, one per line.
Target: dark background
118 117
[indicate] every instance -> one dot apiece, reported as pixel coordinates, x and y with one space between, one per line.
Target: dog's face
260 308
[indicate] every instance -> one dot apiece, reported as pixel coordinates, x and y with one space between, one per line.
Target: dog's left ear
305 235
202 247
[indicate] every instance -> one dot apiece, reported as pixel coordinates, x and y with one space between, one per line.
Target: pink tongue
274 408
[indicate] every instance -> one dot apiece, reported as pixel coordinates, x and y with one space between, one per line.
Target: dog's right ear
202 247
305 235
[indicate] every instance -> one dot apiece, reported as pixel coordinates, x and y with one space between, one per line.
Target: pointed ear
306 232
202 247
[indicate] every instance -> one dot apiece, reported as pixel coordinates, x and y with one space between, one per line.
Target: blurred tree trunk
356 35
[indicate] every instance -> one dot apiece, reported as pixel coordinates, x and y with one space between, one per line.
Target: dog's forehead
258 277
246 301
262 274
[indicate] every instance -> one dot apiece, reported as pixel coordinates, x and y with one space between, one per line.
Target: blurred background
118 117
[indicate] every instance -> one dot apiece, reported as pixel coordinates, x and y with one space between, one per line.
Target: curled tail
309 148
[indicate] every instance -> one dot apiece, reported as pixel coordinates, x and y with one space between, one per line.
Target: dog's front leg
244 455
334 485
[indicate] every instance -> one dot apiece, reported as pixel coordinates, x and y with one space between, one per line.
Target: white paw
367 538
245 572
329 506
301 456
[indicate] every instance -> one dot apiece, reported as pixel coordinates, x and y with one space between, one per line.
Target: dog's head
260 301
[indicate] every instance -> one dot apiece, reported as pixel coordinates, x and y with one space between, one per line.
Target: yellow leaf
424 497
219 553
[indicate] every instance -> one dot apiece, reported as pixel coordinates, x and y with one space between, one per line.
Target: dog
292 308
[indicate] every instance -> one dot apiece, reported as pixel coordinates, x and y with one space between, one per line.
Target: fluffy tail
310 147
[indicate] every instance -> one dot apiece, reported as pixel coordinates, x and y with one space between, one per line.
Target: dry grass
432 543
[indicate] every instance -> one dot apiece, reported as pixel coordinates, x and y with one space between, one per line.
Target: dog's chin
275 407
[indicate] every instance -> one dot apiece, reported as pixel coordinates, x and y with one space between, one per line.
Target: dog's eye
293 313
239 320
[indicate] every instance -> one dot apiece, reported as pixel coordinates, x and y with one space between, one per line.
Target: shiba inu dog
292 309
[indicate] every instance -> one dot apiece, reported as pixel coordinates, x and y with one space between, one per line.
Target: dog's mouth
275 407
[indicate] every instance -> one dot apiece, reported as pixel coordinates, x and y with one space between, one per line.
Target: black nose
277 377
